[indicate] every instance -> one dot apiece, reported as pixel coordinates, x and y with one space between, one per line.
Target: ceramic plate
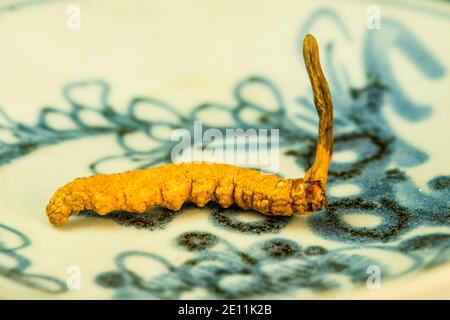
99 87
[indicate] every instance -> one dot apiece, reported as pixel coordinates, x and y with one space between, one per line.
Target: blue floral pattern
14 266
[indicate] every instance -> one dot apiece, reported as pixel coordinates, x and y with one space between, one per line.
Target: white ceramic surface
105 98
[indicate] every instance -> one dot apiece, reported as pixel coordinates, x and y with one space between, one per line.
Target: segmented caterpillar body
172 185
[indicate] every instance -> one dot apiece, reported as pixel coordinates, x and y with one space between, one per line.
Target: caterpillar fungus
172 185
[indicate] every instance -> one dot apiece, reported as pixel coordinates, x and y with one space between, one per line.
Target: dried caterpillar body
172 185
